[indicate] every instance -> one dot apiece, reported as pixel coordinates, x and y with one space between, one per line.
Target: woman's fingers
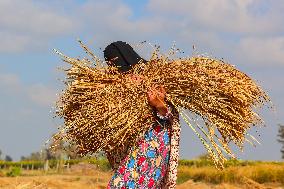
151 95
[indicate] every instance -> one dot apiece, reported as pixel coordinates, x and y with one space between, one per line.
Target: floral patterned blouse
153 162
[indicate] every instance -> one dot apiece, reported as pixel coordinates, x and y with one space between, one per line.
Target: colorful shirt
153 162
147 163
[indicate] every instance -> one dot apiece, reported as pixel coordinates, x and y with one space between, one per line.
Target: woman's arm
156 98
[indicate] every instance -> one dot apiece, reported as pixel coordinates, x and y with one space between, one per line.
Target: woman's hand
156 95
156 98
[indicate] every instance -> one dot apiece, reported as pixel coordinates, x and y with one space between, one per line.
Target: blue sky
248 34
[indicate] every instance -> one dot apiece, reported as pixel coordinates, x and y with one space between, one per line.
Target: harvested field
96 180
86 176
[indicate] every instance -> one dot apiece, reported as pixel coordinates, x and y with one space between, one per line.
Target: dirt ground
97 180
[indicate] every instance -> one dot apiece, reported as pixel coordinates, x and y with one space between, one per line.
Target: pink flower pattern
145 166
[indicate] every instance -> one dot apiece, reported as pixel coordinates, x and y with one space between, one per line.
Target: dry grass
253 176
40 180
258 173
99 182
104 109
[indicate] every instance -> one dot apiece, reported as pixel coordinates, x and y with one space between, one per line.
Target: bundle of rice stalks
104 109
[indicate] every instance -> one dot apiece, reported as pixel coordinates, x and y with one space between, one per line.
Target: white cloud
12 42
42 94
220 28
225 16
267 51
247 30
37 93
9 82
28 25
27 16
106 21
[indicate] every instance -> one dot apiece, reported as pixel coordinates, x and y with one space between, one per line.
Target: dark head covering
121 55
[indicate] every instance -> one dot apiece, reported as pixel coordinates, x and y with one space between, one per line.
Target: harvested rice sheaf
104 109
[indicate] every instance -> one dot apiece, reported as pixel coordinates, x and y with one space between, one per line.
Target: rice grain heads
104 109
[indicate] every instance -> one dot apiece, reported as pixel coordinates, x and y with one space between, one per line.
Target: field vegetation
94 173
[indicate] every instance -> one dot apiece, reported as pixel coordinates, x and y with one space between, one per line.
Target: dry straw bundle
104 109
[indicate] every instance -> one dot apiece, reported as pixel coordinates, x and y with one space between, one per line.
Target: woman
152 163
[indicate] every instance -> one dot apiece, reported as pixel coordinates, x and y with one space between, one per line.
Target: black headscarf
121 55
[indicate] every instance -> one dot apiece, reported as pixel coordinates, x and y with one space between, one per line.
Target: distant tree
60 148
8 158
281 138
0 155
204 156
34 156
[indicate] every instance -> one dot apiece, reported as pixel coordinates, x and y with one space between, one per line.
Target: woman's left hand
156 98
